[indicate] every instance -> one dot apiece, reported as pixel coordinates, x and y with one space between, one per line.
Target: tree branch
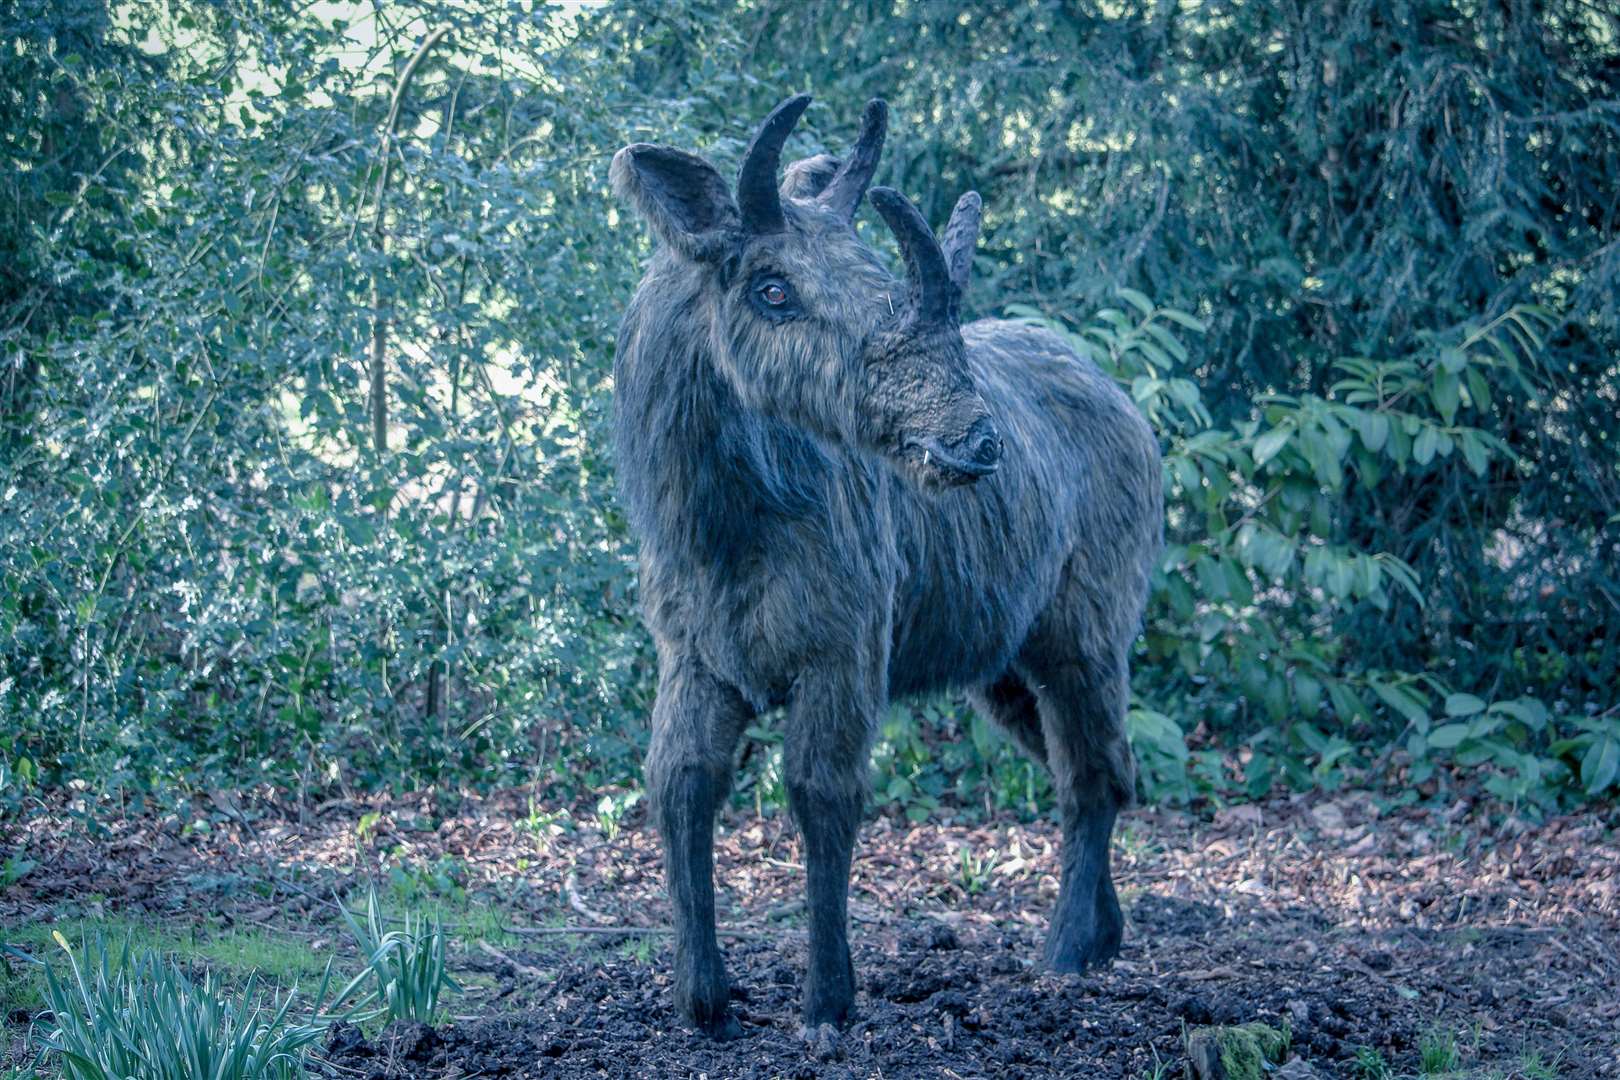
379 325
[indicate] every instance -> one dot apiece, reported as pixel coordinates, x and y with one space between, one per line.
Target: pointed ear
960 237
683 198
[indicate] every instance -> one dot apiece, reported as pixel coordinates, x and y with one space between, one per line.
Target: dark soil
969 1009
948 993
934 1006
1354 926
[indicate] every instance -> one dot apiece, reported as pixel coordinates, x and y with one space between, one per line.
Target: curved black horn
960 236
933 296
844 191
757 197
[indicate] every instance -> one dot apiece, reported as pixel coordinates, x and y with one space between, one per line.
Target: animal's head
921 404
797 313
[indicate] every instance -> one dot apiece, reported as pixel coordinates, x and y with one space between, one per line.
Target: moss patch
1238 1052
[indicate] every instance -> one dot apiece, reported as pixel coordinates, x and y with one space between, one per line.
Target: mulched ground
1356 928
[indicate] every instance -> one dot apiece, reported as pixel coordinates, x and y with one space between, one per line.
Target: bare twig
560 931
516 965
571 889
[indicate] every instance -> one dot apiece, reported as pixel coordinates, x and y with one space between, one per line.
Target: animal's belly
940 628
965 642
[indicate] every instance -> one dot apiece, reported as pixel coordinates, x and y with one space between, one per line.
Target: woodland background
1359 262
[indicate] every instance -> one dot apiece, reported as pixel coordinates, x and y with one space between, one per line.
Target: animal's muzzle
976 454
983 448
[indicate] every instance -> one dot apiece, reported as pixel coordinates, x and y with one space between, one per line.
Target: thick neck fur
703 477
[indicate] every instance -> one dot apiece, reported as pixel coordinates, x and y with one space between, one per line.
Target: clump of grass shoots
120 1016
406 966
1437 1052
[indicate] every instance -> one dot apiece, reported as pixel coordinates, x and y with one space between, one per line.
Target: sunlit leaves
229 563
1385 386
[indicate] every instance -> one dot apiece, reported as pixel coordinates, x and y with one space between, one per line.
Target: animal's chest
795 599
973 578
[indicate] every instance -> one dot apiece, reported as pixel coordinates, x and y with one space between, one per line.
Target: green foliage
122 1016
611 809
1241 1051
941 752
1369 1064
1437 1052
975 868
1258 564
1362 276
209 563
235 953
405 967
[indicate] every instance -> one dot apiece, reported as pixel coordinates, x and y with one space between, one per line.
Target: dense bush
1361 268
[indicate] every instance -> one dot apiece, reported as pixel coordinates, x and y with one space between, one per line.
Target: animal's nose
984 444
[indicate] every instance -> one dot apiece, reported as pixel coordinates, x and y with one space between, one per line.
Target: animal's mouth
938 468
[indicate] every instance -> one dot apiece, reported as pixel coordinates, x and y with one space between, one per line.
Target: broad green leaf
1425 445
1403 700
1270 444
1447 395
1601 765
1374 429
1448 736
1135 299
1528 711
1181 318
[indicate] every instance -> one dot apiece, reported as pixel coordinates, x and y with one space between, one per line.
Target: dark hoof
723 1030
830 998
1086 940
830 1002
716 1022
1071 955
825 1013
706 1006
822 1041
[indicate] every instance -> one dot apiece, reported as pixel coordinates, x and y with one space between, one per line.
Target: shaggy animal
842 496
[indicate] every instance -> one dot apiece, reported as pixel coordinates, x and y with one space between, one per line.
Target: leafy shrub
1382 261
1259 565
941 752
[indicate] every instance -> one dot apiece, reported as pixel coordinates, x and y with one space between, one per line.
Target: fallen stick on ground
571 888
517 965
547 931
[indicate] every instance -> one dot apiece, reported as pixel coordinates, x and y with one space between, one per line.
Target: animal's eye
773 293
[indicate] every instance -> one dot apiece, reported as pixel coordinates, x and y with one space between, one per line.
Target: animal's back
1075 506
1085 426
1113 467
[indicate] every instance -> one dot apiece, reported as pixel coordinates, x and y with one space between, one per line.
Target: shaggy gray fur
843 498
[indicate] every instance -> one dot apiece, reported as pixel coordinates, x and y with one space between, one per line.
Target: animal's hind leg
1010 703
1082 710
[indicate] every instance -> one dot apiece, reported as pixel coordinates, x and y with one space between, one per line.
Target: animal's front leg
826 759
696 722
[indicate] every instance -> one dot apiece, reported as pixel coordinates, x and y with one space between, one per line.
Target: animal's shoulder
1028 355
1035 370
1006 334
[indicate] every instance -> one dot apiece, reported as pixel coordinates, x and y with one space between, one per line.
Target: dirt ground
1361 931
